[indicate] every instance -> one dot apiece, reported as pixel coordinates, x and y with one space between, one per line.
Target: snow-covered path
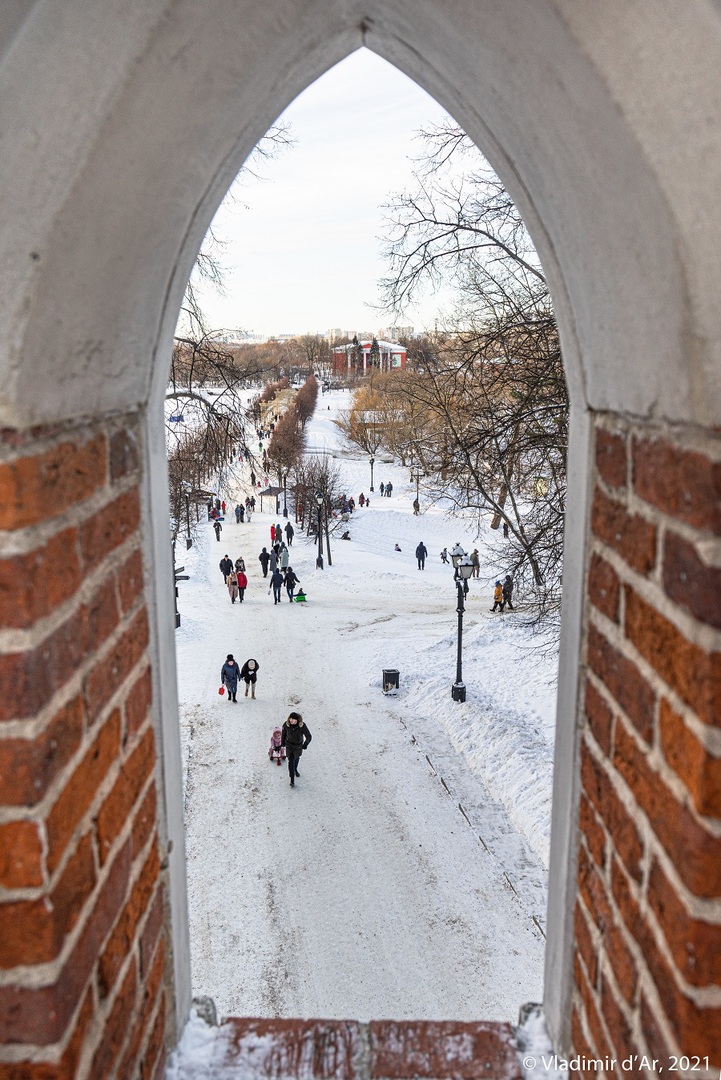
363 892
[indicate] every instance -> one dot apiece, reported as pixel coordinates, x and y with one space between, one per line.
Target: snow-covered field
405 874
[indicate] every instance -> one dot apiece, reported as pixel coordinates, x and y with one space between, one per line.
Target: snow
404 876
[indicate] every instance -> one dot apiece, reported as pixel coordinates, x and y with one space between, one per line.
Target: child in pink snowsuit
276 752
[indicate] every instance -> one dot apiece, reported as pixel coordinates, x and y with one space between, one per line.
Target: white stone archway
123 125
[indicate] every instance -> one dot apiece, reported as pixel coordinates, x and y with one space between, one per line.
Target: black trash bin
391 680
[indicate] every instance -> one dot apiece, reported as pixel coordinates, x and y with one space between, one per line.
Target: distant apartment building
356 359
395 333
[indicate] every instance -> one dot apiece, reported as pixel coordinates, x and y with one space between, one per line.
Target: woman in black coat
295 737
249 674
229 677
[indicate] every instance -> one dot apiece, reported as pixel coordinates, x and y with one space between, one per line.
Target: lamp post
285 493
463 568
373 461
319 559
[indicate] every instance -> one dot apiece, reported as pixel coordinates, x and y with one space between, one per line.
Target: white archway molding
122 126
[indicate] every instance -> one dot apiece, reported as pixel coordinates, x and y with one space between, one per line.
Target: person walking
508 591
416 507
249 674
497 597
240 564
229 677
475 559
242 584
295 737
290 582
273 558
389 490
222 508
241 513
225 565
264 559
232 583
383 489
361 500
272 535
218 529
237 514
276 582
289 533
421 553
444 556
279 533
284 557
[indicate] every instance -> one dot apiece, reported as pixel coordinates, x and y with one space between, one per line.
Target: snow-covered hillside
404 875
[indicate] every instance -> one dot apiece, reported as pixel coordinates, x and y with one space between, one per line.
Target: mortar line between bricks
364 1055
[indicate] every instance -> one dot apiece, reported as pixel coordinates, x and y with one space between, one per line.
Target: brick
137 703
125 931
109 528
694 851
29 679
40 1015
292 1048
124 454
600 718
34 931
700 772
620 826
682 483
694 943
67 1067
39 487
154 1049
622 963
604 587
441 1049
34 584
130 580
655 1040
152 996
584 944
105 678
115 1026
29 766
151 931
689 582
579 1045
611 458
616 1022
117 807
625 682
692 673
78 794
695 1029
591 1009
145 821
592 833
631 536
21 855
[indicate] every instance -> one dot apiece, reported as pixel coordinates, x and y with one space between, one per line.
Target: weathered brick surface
699 770
21 855
649 928
113 669
115 811
34 930
137 703
691 671
34 584
683 484
29 766
109 528
623 679
42 486
631 536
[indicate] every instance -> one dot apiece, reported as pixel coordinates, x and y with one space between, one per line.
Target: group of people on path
234 576
386 489
245 510
230 674
282 575
503 594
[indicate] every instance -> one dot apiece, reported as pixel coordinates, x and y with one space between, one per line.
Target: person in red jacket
242 584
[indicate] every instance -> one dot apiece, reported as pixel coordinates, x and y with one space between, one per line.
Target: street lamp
373 461
285 493
319 559
463 568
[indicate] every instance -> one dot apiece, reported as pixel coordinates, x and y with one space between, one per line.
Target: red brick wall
82 947
648 913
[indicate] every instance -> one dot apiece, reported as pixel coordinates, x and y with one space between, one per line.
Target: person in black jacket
229 677
421 553
226 565
291 581
295 737
264 559
276 581
249 674
289 533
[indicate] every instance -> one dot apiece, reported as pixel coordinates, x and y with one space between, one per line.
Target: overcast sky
303 250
